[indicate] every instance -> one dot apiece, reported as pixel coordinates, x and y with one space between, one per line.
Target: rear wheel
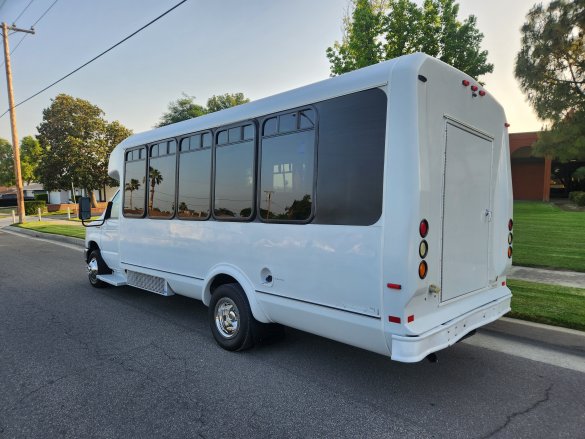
232 324
95 266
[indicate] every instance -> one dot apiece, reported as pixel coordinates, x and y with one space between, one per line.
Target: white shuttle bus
373 208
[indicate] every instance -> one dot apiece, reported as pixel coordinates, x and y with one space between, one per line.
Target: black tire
232 324
102 268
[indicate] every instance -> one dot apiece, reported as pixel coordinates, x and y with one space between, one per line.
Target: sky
205 48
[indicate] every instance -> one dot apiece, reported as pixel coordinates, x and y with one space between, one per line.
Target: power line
44 13
23 11
33 25
95 57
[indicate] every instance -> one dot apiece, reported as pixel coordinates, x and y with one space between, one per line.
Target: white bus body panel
332 280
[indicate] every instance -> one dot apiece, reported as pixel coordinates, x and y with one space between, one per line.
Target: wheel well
221 279
91 247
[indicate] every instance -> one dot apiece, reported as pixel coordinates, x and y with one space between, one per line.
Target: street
76 361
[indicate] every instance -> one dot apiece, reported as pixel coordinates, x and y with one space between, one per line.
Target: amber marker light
422 269
509 255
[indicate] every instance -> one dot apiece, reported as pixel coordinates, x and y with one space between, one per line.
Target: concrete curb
48 236
551 335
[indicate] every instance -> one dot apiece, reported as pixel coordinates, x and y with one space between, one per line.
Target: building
531 176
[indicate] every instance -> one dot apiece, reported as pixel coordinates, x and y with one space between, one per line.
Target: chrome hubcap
92 270
227 317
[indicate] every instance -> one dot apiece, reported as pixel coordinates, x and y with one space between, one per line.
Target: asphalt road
79 362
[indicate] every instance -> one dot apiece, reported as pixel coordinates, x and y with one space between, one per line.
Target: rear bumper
413 349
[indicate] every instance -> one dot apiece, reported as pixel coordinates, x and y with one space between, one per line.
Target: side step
116 278
154 284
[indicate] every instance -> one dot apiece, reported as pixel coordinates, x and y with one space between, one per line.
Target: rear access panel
466 211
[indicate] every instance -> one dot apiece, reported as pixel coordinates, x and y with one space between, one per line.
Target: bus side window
161 180
195 177
234 175
135 183
286 177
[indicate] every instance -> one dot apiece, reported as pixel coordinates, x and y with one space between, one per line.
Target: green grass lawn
74 230
549 304
546 236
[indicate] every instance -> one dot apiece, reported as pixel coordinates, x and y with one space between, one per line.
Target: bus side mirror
84 208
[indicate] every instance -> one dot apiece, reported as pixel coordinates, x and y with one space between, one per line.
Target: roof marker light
482 92
506 124
474 88
465 83
394 286
393 319
504 283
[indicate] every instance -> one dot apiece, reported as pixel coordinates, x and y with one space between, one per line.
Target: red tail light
465 83
423 228
510 224
474 88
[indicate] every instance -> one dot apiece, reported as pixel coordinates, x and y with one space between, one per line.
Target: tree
76 142
132 186
228 100
6 163
378 30
551 69
185 108
182 109
31 155
155 178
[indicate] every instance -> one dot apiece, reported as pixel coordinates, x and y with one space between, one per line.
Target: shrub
42 197
574 195
580 199
31 207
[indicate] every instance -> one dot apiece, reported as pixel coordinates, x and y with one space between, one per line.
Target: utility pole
15 145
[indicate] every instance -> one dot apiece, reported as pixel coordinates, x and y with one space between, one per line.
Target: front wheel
231 320
95 266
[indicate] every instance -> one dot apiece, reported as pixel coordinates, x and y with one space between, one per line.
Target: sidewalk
553 277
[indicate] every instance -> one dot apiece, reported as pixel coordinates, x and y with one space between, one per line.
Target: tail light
510 238
423 228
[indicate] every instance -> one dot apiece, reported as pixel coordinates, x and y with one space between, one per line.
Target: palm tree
156 178
183 207
134 185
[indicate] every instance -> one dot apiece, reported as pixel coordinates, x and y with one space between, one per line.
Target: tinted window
234 180
206 140
161 180
222 137
248 132
135 183
270 127
286 182
194 183
307 119
235 134
350 158
287 122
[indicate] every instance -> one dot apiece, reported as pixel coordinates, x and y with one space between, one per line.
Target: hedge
42 197
31 207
